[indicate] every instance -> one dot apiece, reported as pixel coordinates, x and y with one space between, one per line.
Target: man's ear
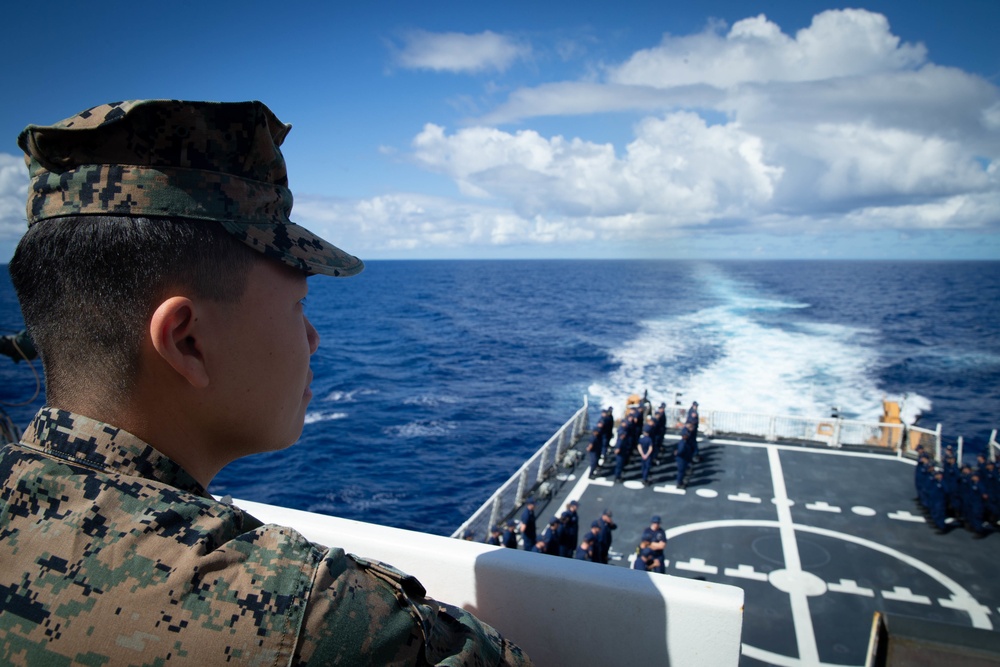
175 335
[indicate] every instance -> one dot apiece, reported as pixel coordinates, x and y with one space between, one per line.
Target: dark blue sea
435 380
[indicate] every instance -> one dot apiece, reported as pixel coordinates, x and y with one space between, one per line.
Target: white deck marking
823 506
601 481
904 594
707 493
861 510
669 488
743 497
964 603
850 586
745 572
805 636
633 484
903 515
696 565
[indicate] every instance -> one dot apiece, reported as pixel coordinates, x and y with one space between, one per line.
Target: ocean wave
348 396
314 417
421 429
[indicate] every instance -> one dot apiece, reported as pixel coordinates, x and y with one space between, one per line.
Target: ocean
435 380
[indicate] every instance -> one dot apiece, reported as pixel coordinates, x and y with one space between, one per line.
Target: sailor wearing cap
162 280
657 539
552 536
607 525
527 525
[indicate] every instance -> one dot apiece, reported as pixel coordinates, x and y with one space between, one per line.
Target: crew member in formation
552 536
527 526
607 526
656 538
595 450
510 535
692 420
646 451
970 495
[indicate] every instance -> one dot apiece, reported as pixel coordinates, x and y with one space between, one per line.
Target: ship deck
819 540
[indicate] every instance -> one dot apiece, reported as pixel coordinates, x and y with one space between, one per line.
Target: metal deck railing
831 432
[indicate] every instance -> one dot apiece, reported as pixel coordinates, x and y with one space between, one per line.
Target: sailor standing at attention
527 525
657 539
163 283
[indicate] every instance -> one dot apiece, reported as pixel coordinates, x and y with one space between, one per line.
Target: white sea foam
421 429
430 401
348 396
314 417
749 365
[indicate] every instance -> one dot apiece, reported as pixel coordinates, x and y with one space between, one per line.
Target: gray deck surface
851 522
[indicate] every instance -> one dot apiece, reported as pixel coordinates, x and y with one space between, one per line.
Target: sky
798 129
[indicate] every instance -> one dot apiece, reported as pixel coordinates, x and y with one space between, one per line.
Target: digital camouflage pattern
111 554
216 161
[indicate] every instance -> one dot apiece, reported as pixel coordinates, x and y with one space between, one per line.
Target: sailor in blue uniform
607 429
527 526
646 452
594 450
657 539
510 535
622 446
685 450
607 525
644 561
692 419
974 507
937 503
659 430
495 536
584 551
571 528
552 536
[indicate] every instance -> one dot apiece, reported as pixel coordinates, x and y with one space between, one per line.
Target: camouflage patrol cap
217 161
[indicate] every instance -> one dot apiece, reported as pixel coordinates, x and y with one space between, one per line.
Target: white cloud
677 171
840 123
13 196
839 43
459 52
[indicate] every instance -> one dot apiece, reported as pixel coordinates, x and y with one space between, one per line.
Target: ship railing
832 432
994 446
533 598
529 476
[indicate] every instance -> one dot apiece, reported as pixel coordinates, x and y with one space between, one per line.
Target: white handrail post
835 443
522 484
961 444
937 445
993 445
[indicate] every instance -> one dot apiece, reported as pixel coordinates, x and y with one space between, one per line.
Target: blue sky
794 129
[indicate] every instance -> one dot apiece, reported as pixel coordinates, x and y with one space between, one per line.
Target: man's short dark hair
88 286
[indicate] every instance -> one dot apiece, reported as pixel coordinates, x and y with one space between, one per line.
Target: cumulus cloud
678 170
396 223
850 42
13 195
459 52
838 124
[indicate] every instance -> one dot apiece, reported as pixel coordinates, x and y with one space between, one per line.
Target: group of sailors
967 493
561 537
641 432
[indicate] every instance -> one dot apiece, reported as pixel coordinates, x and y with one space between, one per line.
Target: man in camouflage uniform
171 348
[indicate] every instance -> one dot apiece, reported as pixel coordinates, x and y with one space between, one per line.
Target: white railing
994 448
831 432
522 484
547 605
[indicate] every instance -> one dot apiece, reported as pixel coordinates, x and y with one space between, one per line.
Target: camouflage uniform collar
88 442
